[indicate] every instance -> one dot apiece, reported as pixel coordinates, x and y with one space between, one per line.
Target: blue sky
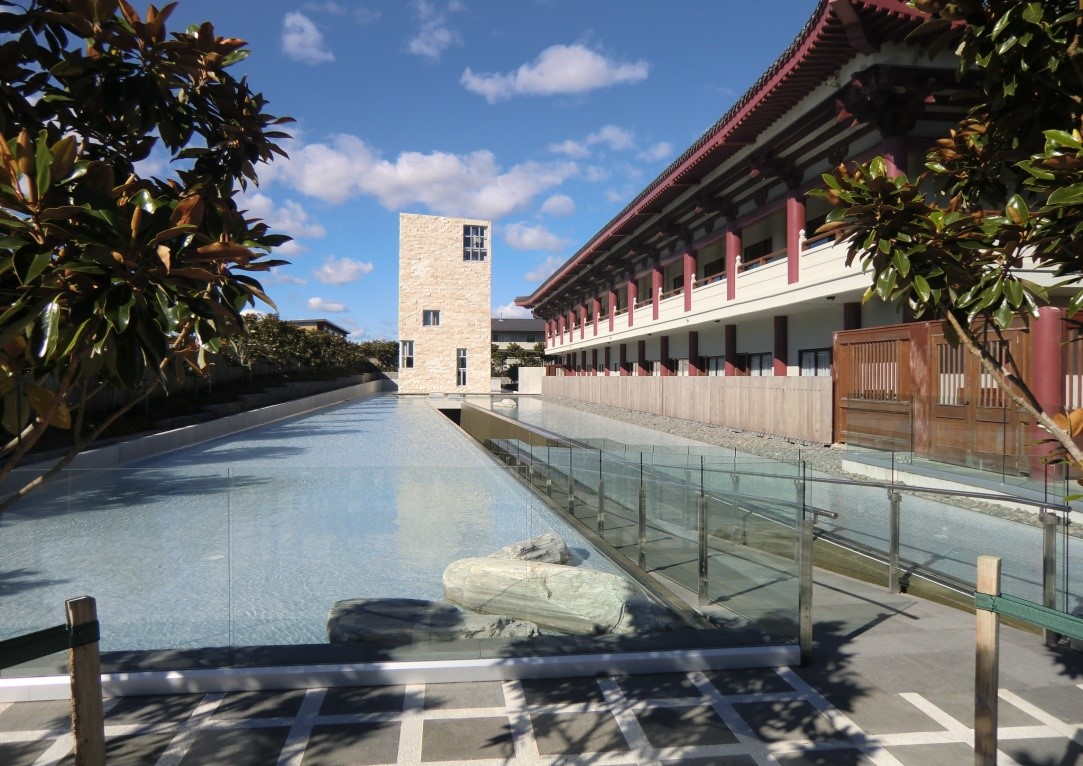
545 116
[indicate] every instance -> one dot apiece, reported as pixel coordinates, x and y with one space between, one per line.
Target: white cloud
329 307
360 14
523 236
302 41
544 269
279 277
434 36
558 204
289 218
595 174
570 148
340 271
616 138
511 311
659 151
617 195
470 185
558 69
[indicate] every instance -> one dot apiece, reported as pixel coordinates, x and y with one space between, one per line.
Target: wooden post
987 666
87 719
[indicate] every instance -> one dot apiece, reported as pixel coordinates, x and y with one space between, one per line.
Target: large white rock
547 547
406 620
555 597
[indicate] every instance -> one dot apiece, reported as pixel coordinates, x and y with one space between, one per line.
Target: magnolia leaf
41 400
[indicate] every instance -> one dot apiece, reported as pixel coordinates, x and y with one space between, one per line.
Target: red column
689 260
632 297
582 322
641 363
895 153
851 315
560 323
1046 380
780 365
733 250
597 310
731 350
571 325
623 360
583 362
693 354
656 288
608 359
594 361
795 222
612 305
663 356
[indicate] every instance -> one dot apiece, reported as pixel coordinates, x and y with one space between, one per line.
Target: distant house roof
322 325
518 325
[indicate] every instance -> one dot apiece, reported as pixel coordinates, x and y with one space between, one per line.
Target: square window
474 243
430 318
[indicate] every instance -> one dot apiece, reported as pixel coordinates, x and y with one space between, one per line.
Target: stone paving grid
541 722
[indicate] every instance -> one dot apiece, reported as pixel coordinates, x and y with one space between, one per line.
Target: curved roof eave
715 137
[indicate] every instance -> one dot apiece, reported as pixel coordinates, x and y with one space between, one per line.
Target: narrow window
474 245
761 365
816 362
406 354
460 355
430 318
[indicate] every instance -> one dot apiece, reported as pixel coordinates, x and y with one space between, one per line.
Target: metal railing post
642 538
571 485
804 604
738 536
548 472
895 498
799 514
703 558
1049 569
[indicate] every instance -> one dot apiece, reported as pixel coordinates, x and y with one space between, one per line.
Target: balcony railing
763 260
710 280
671 293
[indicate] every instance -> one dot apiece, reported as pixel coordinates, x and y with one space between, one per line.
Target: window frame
475 243
460 367
406 360
430 317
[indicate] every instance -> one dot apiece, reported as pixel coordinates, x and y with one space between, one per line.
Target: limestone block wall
433 276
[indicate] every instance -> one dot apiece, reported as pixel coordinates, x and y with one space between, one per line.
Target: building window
430 317
406 354
531 339
761 365
474 247
815 362
716 365
460 366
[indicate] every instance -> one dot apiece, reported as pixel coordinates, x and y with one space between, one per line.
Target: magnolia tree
107 275
1007 188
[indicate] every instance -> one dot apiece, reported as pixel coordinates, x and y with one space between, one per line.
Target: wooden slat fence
793 407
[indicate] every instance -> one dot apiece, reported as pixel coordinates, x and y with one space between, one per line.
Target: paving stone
713 760
22 753
352 744
879 712
1039 752
846 756
172 708
558 733
658 686
237 747
933 755
696 726
34 716
561 691
931 672
1064 702
786 721
274 704
462 739
131 749
348 700
464 695
960 706
752 681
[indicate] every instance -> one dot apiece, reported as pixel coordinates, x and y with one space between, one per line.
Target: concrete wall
530 379
434 276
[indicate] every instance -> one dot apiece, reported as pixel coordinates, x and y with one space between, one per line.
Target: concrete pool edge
44 688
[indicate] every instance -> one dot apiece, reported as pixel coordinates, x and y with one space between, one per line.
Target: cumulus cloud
544 269
289 218
570 148
559 69
328 307
340 271
659 151
278 277
469 185
523 236
511 311
434 35
616 138
558 204
302 41
359 13
594 174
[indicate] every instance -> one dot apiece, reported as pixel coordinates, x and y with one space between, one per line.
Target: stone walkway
890 682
